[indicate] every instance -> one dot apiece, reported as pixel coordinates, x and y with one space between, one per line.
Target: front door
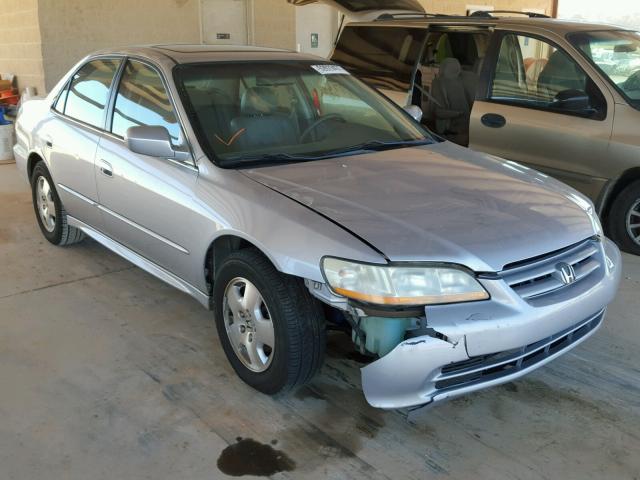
543 110
146 201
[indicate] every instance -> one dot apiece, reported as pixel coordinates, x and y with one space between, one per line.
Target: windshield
269 112
617 55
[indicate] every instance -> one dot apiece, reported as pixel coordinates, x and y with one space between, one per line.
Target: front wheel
271 329
624 219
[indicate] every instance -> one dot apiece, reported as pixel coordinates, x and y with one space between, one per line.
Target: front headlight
401 285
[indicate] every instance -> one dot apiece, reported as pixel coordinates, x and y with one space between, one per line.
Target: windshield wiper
275 158
379 145
270 159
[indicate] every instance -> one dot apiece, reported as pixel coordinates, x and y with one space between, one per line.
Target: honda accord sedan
290 198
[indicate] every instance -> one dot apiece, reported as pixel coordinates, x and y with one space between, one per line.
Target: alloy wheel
46 204
248 324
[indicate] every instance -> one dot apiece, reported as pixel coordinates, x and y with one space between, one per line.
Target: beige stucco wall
20 42
320 19
459 7
72 28
272 23
41 39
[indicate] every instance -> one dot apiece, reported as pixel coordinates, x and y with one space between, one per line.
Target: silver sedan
288 197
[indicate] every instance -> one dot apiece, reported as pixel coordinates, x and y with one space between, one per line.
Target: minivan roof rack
391 16
488 13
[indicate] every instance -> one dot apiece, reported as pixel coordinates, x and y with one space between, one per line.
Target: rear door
541 108
72 135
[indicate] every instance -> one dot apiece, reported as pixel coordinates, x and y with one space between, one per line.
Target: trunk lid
364 10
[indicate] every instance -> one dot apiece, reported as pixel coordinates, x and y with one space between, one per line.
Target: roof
194 53
561 27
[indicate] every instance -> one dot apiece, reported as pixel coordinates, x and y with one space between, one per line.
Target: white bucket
6 142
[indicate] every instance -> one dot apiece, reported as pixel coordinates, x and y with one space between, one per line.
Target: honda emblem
566 273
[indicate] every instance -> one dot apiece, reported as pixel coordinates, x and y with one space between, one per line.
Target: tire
624 213
295 316
55 229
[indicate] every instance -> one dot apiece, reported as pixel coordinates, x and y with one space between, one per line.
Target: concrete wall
20 42
459 7
72 28
272 23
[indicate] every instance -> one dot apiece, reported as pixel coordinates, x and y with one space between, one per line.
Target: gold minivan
561 97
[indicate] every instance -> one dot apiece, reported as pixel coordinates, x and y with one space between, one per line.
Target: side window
61 100
142 100
535 73
509 79
89 90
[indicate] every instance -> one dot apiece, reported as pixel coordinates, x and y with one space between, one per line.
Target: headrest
450 68
258 101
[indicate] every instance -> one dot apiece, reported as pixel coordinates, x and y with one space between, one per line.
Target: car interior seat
215 109
453 94
559 74
260 124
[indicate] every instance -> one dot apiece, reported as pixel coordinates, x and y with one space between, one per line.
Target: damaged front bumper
486 343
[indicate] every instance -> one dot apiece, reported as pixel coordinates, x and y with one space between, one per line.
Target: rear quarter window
384 57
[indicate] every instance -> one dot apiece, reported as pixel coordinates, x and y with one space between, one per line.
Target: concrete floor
107 373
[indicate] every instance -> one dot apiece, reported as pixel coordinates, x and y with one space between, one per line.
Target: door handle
105 168
493 120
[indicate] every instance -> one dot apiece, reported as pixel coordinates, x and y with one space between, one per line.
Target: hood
440 203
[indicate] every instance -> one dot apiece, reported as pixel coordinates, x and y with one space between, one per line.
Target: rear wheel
624 219
50 213
272 330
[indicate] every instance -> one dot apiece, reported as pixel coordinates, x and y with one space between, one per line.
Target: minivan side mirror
153 141
415 111
572 100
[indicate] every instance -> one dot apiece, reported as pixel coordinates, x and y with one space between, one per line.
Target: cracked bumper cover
408 375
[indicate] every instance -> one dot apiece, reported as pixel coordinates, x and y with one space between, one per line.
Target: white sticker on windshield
330 69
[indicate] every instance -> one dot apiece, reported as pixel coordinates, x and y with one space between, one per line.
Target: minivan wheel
624 219
50 213
271 328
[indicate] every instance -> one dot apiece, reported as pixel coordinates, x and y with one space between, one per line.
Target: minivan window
142 100
88 91
384 57
533 73
262 113
617 55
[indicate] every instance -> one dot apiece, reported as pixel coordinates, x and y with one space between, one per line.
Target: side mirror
415 111
149 140
572 100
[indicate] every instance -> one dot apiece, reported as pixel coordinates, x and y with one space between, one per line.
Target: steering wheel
632 83
318 122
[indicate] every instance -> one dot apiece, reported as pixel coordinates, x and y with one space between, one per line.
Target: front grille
540 276
485 368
